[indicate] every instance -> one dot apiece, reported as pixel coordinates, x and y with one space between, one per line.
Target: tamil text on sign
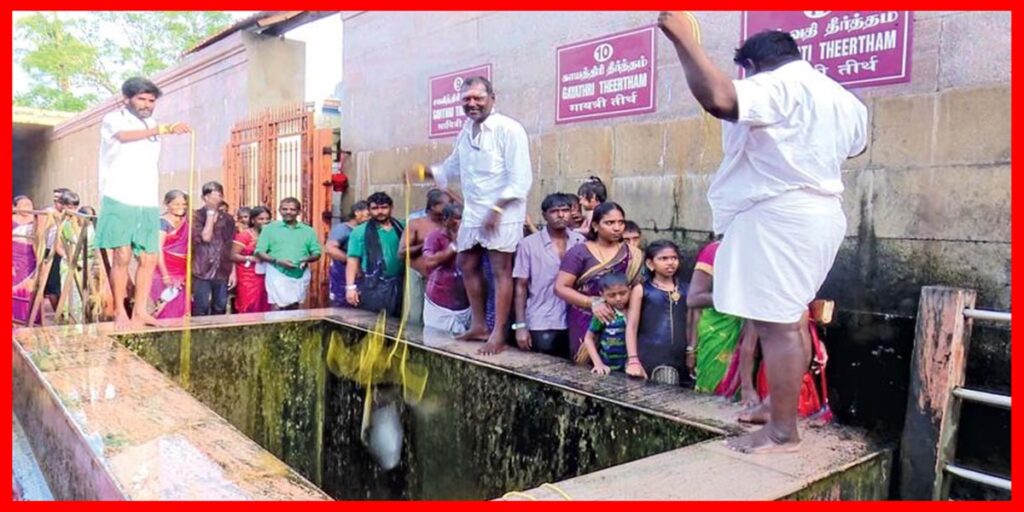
606 77
855 48
446 116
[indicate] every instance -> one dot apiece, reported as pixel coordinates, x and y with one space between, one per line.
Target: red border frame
1017 295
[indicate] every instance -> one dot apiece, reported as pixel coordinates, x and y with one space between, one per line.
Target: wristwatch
517 326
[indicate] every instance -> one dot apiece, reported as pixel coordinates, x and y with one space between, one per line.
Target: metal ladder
961 394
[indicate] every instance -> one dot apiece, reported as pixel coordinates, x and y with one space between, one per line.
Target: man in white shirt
492 160
776 198
129 213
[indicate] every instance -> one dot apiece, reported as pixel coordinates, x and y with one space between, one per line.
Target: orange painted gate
280 153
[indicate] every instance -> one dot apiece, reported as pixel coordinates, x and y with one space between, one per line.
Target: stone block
639 149
384 167
973 126
441 149
927 15
902 131
856 197
885 275
648 200
975 49
971 204
924 63
544 156
694 212
586 151
693 145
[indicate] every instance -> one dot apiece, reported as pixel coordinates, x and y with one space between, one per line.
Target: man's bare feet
757 415
762 441
495 345
749 398
144 319
474 334
121 321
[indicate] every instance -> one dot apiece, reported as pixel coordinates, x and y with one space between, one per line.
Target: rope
190 195
556 489
545 485
185 349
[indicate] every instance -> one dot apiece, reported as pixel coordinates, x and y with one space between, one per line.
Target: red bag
811 398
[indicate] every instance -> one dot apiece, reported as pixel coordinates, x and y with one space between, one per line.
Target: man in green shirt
289 246
373 251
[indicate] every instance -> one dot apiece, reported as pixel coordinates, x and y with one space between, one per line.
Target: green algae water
477 433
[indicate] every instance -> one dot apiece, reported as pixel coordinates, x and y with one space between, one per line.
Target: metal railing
961 394
86 282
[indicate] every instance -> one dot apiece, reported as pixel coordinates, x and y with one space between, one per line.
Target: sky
323 54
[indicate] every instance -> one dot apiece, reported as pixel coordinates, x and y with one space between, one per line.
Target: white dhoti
283 290
504 238
417 294
775 256
437 317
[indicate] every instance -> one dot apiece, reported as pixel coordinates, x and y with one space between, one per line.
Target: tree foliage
72 61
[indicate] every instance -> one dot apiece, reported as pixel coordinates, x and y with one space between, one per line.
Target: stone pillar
941 341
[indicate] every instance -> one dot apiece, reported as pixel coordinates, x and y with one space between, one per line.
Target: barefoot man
129 216
492 159
776 198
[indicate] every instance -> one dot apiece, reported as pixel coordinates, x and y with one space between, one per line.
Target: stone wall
210 90
929 203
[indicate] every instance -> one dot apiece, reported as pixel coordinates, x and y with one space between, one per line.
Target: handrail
983 397
52 212
982 314
978 476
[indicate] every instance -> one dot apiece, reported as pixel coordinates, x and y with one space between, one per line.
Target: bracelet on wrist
519 325
351 287
498 209
691 349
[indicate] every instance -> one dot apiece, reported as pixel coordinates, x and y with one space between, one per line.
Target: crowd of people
584 290
231 255
582 286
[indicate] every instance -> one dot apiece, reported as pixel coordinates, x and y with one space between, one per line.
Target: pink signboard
855 48
446 116
606 77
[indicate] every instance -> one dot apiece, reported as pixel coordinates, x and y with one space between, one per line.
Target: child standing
606 341
657 316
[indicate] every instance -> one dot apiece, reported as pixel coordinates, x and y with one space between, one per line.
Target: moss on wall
477 433
868 480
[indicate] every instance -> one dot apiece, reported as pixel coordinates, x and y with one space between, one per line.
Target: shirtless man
417 232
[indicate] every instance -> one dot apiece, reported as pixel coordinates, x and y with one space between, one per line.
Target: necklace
595 249
672 294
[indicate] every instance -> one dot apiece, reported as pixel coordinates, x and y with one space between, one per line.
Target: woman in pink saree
23 254
168 291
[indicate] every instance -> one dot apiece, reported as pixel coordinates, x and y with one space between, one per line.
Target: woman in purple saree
584 265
